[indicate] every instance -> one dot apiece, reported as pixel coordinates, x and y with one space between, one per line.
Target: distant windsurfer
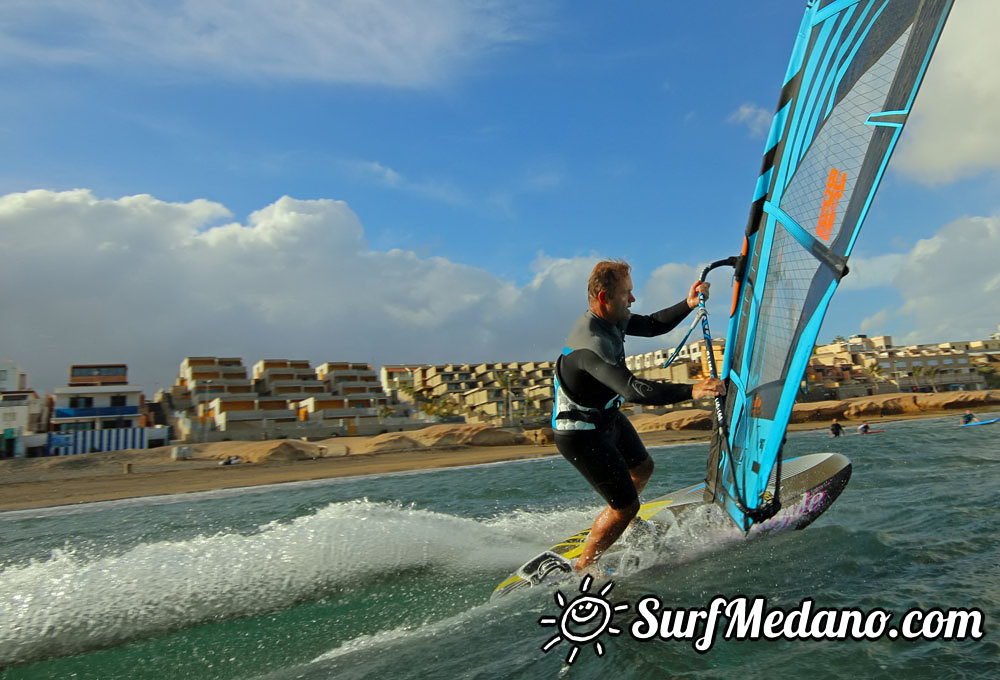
592 381
968 417
863 428
835 428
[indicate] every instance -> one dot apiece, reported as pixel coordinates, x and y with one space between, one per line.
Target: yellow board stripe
573 546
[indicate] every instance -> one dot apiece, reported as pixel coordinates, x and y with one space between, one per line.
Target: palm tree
917 372
990 376
506 381
930 372
877 374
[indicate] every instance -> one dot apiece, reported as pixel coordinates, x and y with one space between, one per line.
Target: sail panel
851 81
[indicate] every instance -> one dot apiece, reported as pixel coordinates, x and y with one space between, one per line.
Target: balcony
96 412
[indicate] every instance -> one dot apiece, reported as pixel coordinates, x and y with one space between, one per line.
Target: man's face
621 300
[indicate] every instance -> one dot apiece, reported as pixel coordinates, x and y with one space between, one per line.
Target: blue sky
403 181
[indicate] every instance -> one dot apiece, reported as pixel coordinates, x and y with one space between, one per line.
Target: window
76 427
81 402
118 400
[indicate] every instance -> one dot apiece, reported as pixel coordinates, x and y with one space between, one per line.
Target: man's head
610 290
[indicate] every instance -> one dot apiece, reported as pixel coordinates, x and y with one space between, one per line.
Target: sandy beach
52 481
46 482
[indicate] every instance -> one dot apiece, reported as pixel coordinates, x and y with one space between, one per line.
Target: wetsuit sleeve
636 390
659 322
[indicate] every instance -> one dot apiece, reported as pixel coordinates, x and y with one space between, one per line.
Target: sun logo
583 620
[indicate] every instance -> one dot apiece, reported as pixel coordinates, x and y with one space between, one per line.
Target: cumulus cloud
411 43
669 284
756 119
952 131
872 272
948 284
147 282
945 282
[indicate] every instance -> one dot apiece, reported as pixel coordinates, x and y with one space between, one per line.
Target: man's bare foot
594 570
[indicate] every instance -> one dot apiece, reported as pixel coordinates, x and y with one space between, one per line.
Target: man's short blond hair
608 276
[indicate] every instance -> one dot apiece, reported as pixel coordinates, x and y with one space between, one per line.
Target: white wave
68 604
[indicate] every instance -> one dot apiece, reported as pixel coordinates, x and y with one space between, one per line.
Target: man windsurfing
592 381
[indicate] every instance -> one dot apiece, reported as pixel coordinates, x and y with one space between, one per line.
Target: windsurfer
592 381
835 428
863 428
968 417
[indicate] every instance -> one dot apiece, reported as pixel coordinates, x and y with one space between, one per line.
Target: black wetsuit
591 383
835 429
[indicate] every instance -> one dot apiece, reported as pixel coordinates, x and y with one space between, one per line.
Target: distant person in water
836 428
967 417
863 428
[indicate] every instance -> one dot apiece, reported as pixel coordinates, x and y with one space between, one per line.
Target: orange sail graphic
828 213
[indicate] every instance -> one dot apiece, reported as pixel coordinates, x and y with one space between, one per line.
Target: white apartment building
22 413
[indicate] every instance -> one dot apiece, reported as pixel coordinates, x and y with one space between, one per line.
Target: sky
431 181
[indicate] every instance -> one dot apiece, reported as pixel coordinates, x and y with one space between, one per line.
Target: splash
68 603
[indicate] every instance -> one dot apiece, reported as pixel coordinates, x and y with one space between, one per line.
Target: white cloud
756 119
952 131
146 282
872 272
410 43
443 191
668 285
876 322
945 282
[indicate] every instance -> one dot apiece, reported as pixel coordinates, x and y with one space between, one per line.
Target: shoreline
47 488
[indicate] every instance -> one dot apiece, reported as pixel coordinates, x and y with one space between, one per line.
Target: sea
390 576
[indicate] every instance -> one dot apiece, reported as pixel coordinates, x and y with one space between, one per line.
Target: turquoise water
390 576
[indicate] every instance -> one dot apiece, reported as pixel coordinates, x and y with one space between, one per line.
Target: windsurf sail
853 76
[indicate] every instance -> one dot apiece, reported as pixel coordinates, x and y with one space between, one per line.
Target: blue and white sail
853 76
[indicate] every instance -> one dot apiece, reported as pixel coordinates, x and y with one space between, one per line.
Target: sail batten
849 87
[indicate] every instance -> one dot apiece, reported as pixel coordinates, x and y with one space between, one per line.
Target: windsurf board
809 484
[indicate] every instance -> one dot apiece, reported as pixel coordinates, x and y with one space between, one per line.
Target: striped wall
71 443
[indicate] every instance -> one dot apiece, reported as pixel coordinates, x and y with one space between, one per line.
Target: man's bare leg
608 527
611 523
641 474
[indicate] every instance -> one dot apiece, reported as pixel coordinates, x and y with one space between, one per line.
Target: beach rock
444 435
899 404
441 436
390 441
492 436
541 436
956 400
817 410
688 419
291 450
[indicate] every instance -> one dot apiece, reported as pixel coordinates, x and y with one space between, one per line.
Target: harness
568 414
